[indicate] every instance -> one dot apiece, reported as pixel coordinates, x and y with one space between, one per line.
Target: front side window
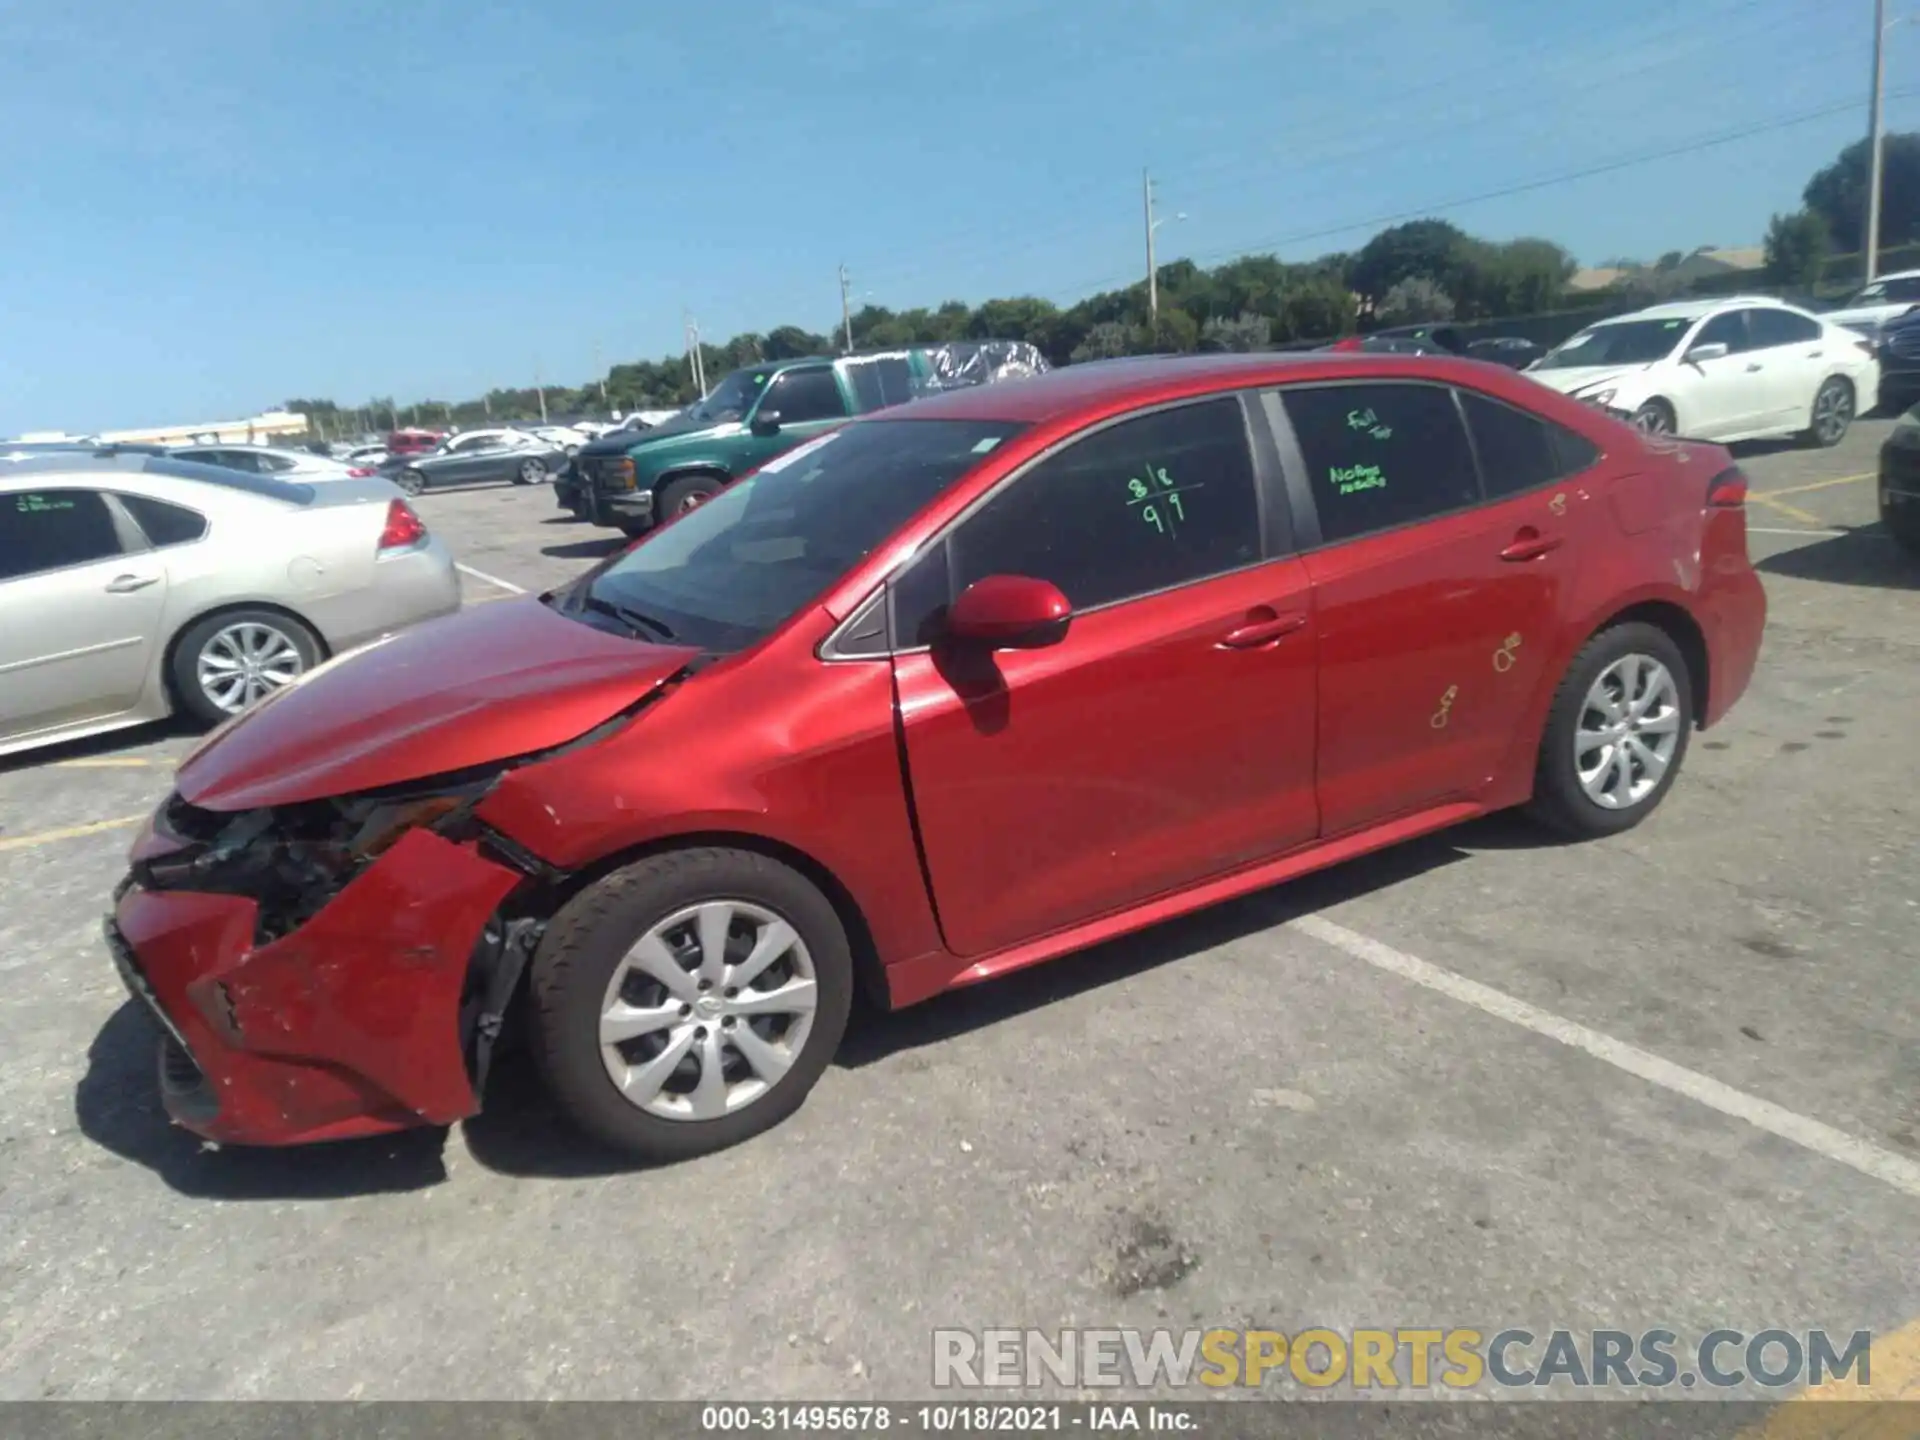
802 395
725 575
44 530
1139 506
1381 455
730 399
1729 330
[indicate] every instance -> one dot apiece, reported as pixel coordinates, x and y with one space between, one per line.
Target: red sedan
944 693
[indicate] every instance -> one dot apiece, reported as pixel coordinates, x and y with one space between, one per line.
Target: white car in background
564 437
1887 298
1743 368
296 465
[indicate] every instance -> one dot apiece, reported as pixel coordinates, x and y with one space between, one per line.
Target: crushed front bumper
347 1026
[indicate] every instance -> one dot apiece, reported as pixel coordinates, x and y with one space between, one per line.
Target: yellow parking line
72 832
103 762
1792 512
1893 1393
1815 485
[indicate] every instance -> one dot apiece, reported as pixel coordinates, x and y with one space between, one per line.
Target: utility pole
601 371
1876 143
486 404
1153 270
696 363
846 308
540 391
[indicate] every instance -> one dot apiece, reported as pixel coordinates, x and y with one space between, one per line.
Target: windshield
723 576
731 398
1626 342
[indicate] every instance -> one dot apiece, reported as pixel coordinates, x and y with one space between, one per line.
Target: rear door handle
127 584
1256 633
1531 547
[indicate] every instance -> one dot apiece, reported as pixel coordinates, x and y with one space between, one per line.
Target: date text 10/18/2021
967 1418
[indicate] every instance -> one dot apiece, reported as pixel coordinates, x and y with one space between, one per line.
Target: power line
1267 246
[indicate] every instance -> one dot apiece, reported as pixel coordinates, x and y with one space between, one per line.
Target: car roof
1103 385
104 464
1700 309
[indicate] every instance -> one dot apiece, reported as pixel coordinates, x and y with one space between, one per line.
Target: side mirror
1711 351
766 422
1009 612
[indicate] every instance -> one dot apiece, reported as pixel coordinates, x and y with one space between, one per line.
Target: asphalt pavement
1671 1079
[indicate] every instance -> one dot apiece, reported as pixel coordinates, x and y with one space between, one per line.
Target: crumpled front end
320 971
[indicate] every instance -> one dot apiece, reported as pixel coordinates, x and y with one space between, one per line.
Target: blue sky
213 205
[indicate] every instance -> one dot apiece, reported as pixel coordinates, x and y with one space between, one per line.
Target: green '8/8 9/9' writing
1158 499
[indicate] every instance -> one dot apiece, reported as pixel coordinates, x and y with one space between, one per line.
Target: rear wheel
690 1001
687 493
1832 414
1616 734
411 481
228 663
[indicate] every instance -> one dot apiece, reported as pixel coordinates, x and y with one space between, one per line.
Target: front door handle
1256 633
127 584
1531 545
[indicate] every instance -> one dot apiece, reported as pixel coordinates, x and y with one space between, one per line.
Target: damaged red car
942 694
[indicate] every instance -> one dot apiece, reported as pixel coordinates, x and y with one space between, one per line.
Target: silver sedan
133 587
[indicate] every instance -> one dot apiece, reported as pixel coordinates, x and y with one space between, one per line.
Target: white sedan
297 465
1745 368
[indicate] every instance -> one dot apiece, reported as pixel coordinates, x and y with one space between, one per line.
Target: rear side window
1383 455
1142 505
1781 327
165 524
51 529
1519 451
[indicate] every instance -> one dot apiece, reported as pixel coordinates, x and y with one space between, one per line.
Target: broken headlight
291 860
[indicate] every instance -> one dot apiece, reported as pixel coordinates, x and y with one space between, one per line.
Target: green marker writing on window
1355 478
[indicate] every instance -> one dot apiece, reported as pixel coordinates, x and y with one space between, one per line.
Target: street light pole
1153 270
846 309
1876 140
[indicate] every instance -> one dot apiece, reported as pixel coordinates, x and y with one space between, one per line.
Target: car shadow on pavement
117 1105
597 548
1863 556
96 747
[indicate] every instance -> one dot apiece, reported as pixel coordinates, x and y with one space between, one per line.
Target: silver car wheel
532 472
1628 731
243 664
1832 412
708 1010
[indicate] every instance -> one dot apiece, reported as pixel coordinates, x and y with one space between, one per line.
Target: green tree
1837 193
1244 332
1107 340
1419 247
1412 300
1797 247
1176 332
1023 318
790 342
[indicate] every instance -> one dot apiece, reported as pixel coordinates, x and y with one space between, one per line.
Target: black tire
1902 522
1559 800
687 492
1654 418
589 939
531 472
411 481
184 669
634 529
1827 431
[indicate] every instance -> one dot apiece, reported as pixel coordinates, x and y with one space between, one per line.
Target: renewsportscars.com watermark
1401 1360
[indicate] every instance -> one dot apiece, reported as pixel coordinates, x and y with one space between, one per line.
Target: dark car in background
1897 348
477 457
1508 350
1407 340
1900 482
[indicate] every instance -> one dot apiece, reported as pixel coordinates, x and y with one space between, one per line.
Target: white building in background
264 429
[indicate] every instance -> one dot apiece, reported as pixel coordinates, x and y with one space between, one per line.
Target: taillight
361 472
404 529
1727 490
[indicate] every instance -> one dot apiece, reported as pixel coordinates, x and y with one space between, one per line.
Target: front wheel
1832 414
1902 520
228 663
1616 734
531 472
1654 418
686 494
690 1001
410 481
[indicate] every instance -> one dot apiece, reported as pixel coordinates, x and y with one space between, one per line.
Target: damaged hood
499 680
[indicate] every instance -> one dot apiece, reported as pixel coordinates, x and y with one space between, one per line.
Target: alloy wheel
532 472
245 663
708 1010
411 482
1832 413
1652 420
1628 731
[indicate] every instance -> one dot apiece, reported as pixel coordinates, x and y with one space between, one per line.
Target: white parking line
1810 534
506 585
1862 1155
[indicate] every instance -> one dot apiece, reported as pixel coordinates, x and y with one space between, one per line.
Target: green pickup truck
632 480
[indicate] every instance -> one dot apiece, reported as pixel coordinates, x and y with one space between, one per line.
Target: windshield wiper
635 621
